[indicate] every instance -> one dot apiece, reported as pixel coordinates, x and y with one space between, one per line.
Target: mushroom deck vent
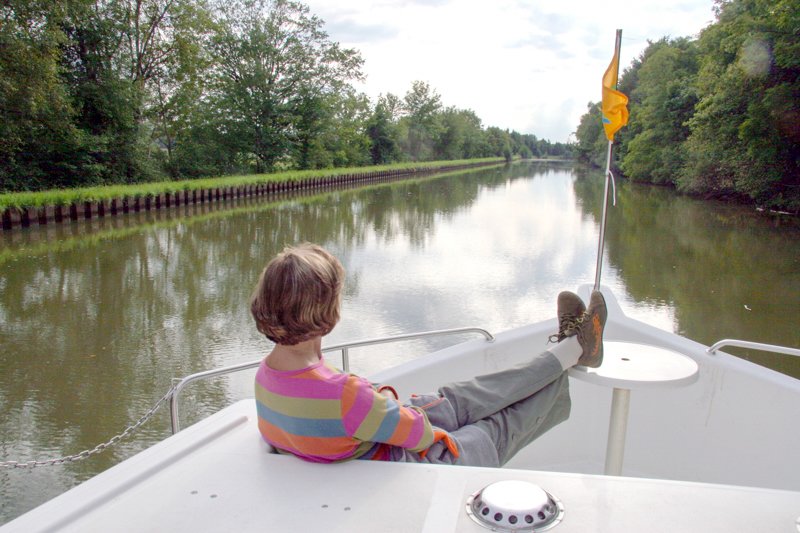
515 506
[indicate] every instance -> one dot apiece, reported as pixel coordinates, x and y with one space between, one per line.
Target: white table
629 366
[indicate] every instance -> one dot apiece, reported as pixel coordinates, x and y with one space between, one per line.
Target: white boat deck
719 454
218 476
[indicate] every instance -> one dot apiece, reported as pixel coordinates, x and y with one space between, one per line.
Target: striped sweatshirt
323 415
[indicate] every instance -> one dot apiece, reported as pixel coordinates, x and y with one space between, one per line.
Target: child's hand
388 391
441 435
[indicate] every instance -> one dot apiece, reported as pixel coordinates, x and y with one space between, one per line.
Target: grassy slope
68 196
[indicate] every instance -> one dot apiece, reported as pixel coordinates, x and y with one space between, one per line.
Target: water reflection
727 271
96 318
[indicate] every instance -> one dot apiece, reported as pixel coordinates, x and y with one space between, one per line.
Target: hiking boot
589 329
570 309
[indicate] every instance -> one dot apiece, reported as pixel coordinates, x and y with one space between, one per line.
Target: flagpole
601 241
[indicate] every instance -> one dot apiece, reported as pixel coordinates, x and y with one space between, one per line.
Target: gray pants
492 417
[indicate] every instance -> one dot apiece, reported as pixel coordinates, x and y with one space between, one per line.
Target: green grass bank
22 209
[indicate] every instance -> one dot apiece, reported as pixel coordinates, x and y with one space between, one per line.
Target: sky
524 65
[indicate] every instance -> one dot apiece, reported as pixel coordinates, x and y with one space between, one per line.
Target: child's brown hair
297 295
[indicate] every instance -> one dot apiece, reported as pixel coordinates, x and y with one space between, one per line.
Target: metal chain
97 449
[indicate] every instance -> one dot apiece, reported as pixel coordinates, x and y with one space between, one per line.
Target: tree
94 65
498 142
175 81
332 131
460 135
273 60
382 133
422 105
744 138
37 134
104 91
347 137
394 106
664 101
592 143
472 134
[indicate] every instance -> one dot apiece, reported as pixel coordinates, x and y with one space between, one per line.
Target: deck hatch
514 506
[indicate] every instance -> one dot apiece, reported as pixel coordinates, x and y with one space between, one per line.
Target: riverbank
729 198
20 210
61 238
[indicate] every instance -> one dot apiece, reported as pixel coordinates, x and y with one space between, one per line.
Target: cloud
521 65
353 32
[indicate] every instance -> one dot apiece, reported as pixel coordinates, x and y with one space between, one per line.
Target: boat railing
344 348
712 350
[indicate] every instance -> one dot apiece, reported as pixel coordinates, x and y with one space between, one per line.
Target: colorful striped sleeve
372 417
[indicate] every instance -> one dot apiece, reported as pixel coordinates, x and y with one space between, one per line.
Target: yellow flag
615 112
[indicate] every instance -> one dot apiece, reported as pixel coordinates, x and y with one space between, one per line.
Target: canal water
96 318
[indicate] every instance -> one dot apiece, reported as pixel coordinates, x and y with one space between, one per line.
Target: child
310 409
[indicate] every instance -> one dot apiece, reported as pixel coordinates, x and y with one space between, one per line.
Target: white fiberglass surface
736 424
